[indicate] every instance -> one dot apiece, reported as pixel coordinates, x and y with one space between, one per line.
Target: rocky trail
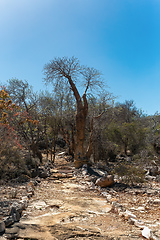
68 205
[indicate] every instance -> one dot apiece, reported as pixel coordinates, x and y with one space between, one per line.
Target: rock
150 178
131 221
106 181
15 214
156 201
2 227
146 232
9 221
139 224
43 173
24 202
13 193
150 192
39 205
12 232
20 225
30 189
61 154
141 209
128 215
154 171
158 178
29 195
84 169
107 195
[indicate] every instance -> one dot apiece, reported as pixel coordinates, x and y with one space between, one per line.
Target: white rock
39 204
128 215
156 201
133 208
141 209
61 154
146 232
109 197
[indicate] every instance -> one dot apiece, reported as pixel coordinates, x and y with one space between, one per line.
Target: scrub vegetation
79 115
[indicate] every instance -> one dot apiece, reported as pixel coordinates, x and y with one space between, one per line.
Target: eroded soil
68 206
68 209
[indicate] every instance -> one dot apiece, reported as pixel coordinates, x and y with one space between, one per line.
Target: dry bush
129 173
12 162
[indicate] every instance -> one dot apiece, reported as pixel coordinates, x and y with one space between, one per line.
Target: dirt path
63 207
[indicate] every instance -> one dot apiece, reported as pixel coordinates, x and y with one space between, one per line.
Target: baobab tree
68 73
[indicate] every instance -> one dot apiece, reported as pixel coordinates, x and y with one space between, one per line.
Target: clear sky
121 38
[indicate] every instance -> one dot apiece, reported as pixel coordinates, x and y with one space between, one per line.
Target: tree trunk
90 146
80 136
82 110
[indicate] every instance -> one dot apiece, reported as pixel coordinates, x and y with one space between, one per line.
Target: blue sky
121 38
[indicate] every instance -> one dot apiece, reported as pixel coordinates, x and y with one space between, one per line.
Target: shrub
129 173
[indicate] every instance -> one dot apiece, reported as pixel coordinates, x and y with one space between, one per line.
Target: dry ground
65 206
68 209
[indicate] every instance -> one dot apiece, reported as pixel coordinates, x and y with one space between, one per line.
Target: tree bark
82 111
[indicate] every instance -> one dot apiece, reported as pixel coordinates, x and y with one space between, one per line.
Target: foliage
26 122
35 122
9 144
129 173
12 118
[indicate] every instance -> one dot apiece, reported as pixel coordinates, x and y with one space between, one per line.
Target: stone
131 221
156 201
12 232
43 173
106 181
9 221
13 193
2 227
107 195
139 224
24 202
154 171
158 178
20 225
128 215
146 232
84 169
15 214
39 205
30 187
141 209
29 195
61 154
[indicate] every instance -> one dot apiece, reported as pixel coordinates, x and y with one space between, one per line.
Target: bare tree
68 72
